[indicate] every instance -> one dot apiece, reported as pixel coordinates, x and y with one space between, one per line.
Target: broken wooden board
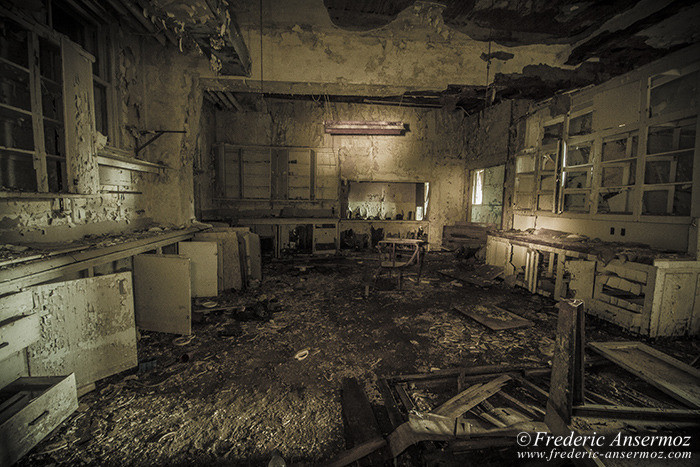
471 397
162 293
483 276
566 365
494 318
87 328
362 426
673 377
204 267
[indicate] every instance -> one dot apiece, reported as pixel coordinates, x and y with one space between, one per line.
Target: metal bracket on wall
155 134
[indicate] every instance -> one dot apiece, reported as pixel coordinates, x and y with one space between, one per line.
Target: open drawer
30 408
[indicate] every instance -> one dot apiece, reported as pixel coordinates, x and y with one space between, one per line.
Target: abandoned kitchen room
337 232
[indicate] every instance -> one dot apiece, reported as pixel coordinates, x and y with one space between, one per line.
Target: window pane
525 183
547 183
655 202
578 155
620 174
14 42
669 169
523 200
50 60
552 133
14 87
525 164
545 202
575 201
669 138
618 202
548 162
17 172
681 93
52 100
576 179
101 109
54 139
16 130
581 125
617 148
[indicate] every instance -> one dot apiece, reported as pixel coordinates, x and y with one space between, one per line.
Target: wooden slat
471 397
673 377
636 413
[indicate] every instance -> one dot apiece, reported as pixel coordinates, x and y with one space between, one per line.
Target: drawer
30 408
18 332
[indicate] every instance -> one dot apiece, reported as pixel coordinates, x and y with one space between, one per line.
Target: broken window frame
35 35
524 169
628 162
672 186
551 152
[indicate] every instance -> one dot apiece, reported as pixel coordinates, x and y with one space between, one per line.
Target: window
673 91
32 143
487 195
618 171
95 39
576 177
387 200
668 169
478 187
546 179
524 180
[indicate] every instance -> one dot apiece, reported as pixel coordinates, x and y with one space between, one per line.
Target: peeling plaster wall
432 151
417 49
173 101
157 89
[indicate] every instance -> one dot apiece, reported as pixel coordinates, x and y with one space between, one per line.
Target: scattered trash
183 340
302 354
209 304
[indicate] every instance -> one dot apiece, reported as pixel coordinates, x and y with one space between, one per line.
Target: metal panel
162 293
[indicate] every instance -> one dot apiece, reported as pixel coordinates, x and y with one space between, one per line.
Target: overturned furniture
646 292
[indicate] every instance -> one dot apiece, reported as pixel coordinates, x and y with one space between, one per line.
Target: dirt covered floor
234 392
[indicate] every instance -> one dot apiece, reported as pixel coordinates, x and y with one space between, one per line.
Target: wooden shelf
109 157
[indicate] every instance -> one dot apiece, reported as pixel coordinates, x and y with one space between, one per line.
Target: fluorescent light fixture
364 128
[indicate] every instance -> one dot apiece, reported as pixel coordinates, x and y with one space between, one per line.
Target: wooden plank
673 377
395 416
24 429
471 397
162 293
362 426
636 413
497 318
87 328
204 267
356 453
564 367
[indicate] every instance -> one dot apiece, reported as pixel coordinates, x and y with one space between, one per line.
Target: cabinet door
87 328
162 293
204 258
